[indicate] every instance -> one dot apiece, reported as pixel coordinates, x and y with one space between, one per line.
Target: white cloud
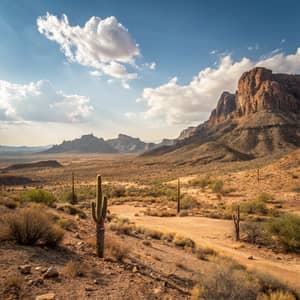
151 66
185 104
39 101
103 44
253 48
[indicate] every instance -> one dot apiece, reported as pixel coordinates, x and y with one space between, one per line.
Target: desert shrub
286 230
14 284
163 212
183 213
114 191
152 233
183 242
277 295
188 202
264 197
115 249
30 226
72 210
168 237
74 268
68 197
39 196
253 207
227 282
217 186
67 224
254 232
9 203
201 182
122 226
203 253
296 190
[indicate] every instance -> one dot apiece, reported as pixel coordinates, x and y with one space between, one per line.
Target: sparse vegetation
30 226
14 284
286 230
183 242
68 197
75 268
115 249
38 196
217 186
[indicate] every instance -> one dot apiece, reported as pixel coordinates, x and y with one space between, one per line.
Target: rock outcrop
261 118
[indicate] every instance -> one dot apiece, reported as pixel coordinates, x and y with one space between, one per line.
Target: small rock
89 289
80 243
76 235
279 258
51 273
95 281
157 291
48 296
25 269
251 257
38 268
134 269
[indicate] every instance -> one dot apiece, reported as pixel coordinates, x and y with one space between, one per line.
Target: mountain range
262 118
92 144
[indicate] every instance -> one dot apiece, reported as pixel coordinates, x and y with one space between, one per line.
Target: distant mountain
127 144
22 149
86 144
91 144
262 118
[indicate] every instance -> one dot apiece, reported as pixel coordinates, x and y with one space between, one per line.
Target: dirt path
217 235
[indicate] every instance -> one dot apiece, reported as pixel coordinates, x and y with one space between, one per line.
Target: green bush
264 197
217 186
188 202
68 197
30 226
182 241
254 207
39 196
200 182
286 230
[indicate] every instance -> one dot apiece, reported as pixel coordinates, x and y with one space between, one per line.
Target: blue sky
168 63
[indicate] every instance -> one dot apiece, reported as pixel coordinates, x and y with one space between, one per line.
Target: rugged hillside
262 118
86 144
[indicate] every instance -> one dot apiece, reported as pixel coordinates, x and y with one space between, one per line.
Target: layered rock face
225 107
260 90
261 118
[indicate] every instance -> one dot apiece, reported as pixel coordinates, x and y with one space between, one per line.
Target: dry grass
30 226
75 269
14 285
115 249
278 295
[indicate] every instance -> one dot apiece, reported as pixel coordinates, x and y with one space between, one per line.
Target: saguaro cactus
99 214
236 221
73 190
178 196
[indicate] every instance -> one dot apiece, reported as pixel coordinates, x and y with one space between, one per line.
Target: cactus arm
94 212
99 196
104 208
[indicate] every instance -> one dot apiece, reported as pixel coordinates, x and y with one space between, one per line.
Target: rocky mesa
261 118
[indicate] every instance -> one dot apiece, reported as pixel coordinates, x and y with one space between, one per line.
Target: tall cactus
99 210
178 196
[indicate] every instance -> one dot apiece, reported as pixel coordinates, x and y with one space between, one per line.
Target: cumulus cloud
103 44
39 101
192 103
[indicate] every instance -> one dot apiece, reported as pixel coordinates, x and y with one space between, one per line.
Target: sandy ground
217 234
